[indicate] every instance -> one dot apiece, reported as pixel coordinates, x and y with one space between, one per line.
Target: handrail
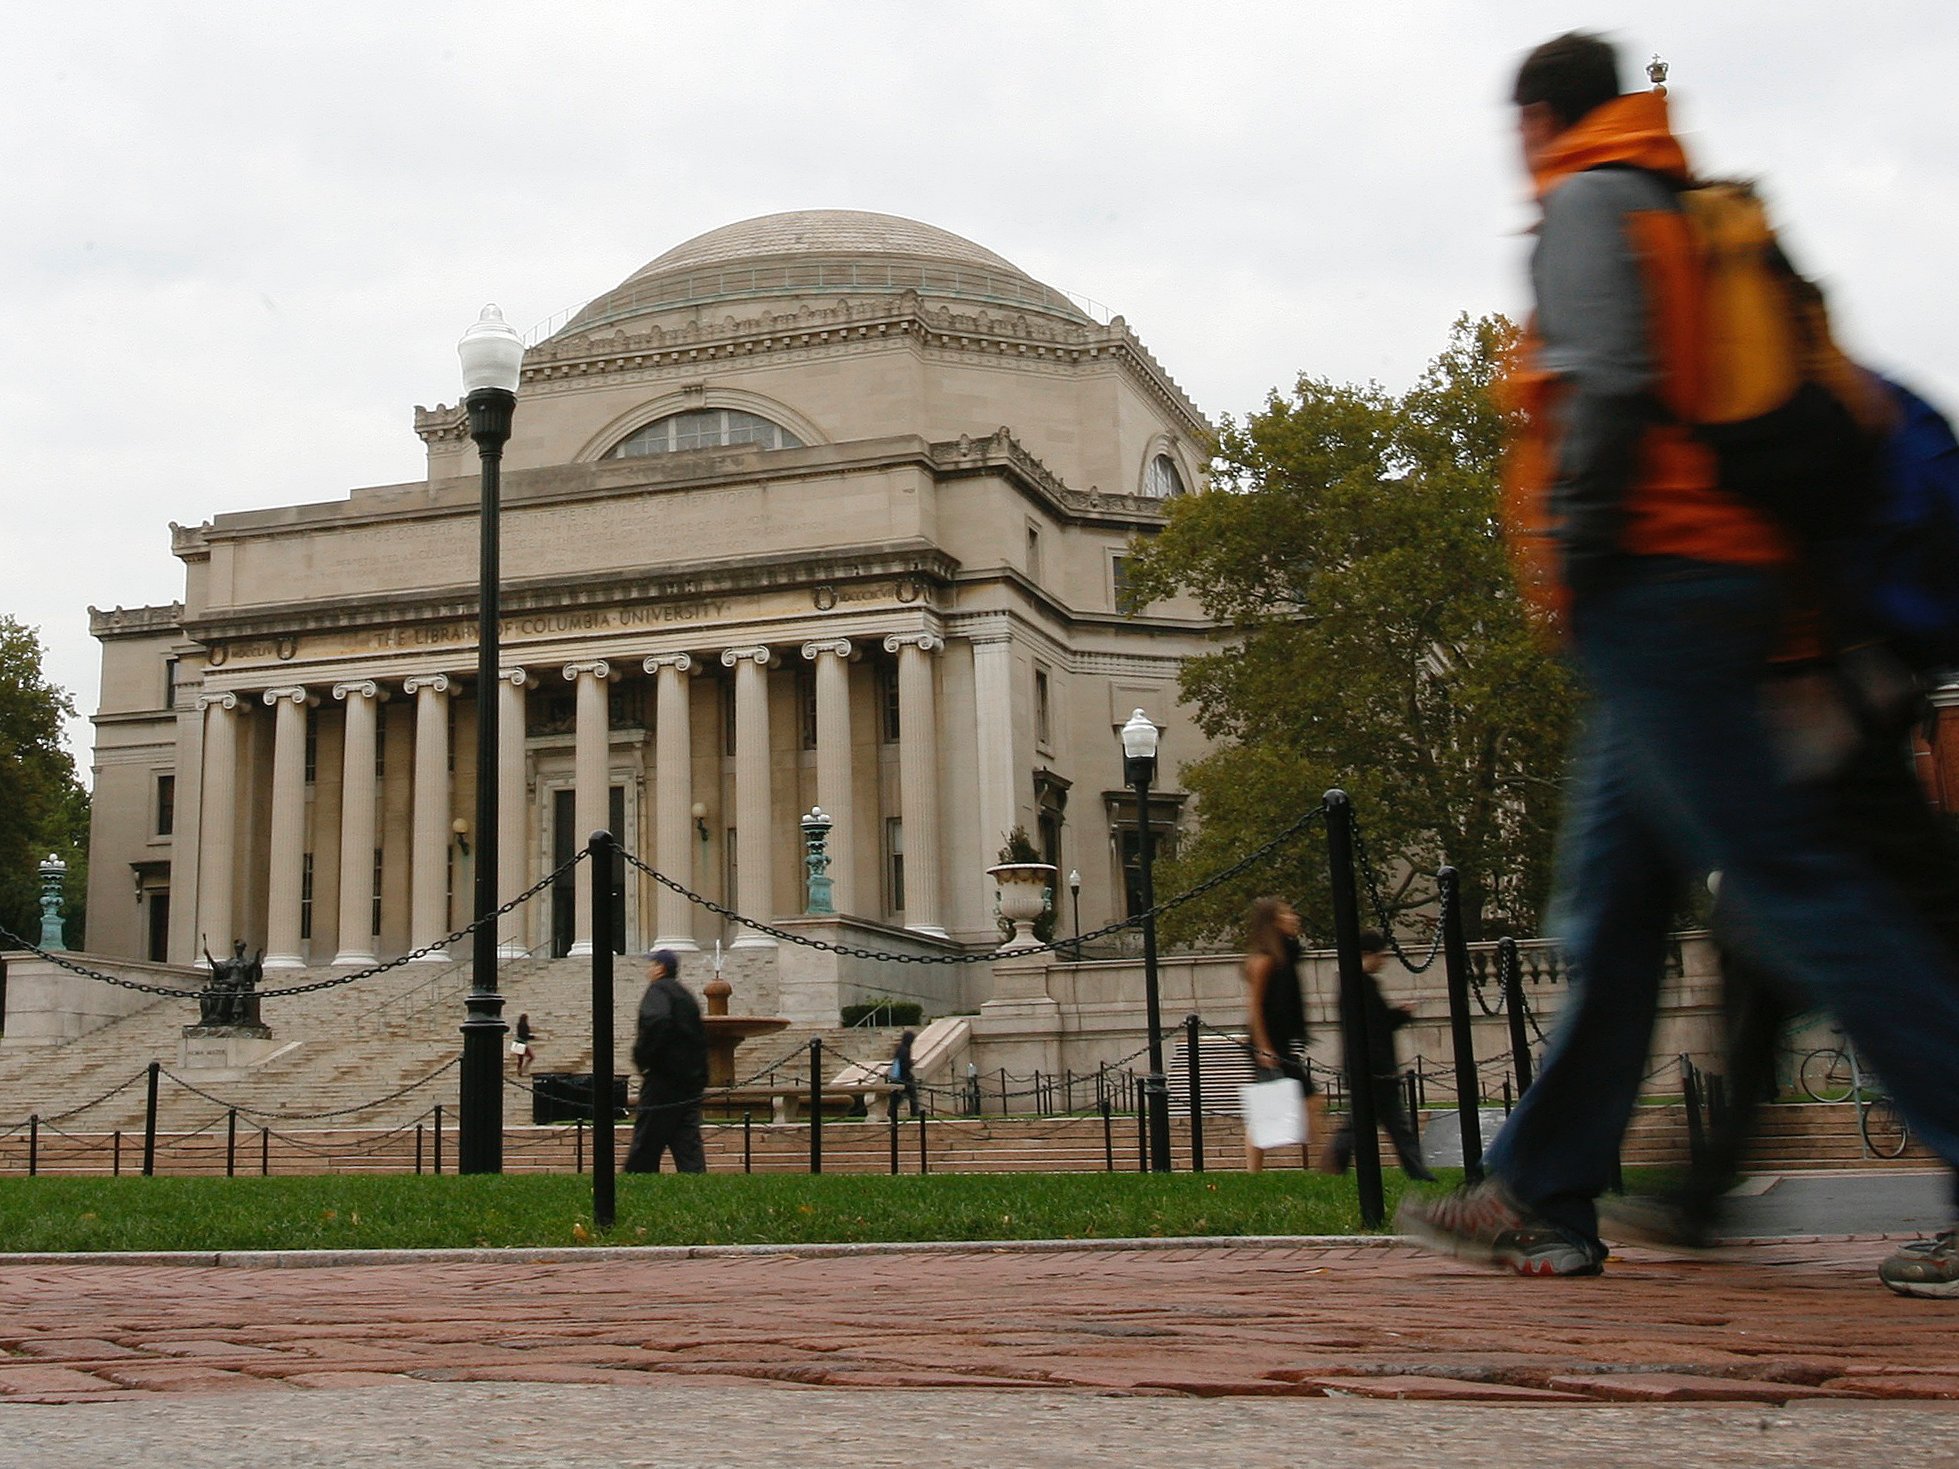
426 996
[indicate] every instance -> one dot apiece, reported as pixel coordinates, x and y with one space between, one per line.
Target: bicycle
1885 1132
1829 1074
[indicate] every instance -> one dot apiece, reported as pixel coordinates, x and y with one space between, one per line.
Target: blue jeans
1673 778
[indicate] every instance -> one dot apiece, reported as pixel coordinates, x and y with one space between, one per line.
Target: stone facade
825 508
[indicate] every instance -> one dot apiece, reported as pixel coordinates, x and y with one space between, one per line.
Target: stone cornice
123 622
544 594
998 334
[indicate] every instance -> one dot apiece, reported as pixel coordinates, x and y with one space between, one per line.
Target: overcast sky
243 238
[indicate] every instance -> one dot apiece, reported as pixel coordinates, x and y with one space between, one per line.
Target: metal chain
1371 881
1523 1004
854 951
197 1091
77 1111
171 992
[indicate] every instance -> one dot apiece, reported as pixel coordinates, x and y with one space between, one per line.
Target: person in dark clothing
1276 1011
1876 808
1390 1106
903 1072
524 1044
670 1053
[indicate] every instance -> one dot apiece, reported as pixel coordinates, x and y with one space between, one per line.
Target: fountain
724 1031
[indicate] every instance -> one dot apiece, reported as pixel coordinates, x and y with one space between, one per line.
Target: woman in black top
1277 1012
521 1043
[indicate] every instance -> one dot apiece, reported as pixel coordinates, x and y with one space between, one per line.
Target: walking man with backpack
1669 589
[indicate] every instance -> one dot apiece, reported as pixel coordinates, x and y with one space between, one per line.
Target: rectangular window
166 805
1119 580
381 747
374 922
887 699
306 896
170 683
312 744
894 858
1033 551
728 715
806 701
1043 722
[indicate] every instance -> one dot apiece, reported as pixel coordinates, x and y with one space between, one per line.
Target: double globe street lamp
1139 741
492 358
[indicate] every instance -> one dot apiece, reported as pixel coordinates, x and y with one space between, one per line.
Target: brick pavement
1784 1324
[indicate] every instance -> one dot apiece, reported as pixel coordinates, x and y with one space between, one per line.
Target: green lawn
376 1212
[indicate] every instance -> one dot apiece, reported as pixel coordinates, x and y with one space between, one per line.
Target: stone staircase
352 1045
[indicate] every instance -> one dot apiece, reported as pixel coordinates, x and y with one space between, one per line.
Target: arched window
705 428
1161 480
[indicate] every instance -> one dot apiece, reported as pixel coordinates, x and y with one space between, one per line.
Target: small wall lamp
699 813
460 826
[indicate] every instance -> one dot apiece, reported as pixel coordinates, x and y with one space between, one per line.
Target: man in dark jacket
1390 1103
670 1053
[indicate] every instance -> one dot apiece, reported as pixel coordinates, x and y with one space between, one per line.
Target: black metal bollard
1040 1097
149 1124
1068 1090
438 1138
1142 1138
115 1154
1196 1095
1412 1096
891 1102
1003 1091
747 1143
1469 1086
923 1164
1353 1009
231 1144
419 1130
816 1104
34 1145
578 1145
265 1152
1511 971
1690 1093
1506 1094
1108 1134
604 1153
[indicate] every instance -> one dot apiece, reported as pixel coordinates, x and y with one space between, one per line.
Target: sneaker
1480 1222
1925 1267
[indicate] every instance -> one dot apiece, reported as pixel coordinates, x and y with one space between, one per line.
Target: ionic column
513 810
357 823
218 823
673 796
754 792
428 911
288 867
589 771
918 783
833 784
993 779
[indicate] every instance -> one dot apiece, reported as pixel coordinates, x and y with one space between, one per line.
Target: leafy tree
1351 544
43 807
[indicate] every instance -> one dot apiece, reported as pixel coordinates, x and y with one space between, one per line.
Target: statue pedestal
225 1052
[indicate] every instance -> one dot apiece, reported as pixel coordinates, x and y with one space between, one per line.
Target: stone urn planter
1024 888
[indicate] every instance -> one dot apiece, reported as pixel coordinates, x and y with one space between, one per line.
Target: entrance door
158 947
566 839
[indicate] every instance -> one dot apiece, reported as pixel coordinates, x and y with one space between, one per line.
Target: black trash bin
566 1096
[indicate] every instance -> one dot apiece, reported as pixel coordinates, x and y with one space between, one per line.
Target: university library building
819 509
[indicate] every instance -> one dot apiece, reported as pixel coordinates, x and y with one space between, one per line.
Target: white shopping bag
1275 1112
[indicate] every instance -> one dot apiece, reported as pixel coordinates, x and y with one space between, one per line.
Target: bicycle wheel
1826 1075
1883 1126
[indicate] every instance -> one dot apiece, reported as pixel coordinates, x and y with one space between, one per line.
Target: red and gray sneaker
1480 1222
1925 1267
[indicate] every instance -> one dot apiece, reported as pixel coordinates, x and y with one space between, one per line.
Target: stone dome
820 256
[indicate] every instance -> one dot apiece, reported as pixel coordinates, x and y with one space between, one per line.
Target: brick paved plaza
1036 1354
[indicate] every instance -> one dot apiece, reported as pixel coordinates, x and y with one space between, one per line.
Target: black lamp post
492 356
1139 738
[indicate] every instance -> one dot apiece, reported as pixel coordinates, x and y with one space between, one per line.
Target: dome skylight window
707 428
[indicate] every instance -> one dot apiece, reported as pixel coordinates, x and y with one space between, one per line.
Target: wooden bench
786 1100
